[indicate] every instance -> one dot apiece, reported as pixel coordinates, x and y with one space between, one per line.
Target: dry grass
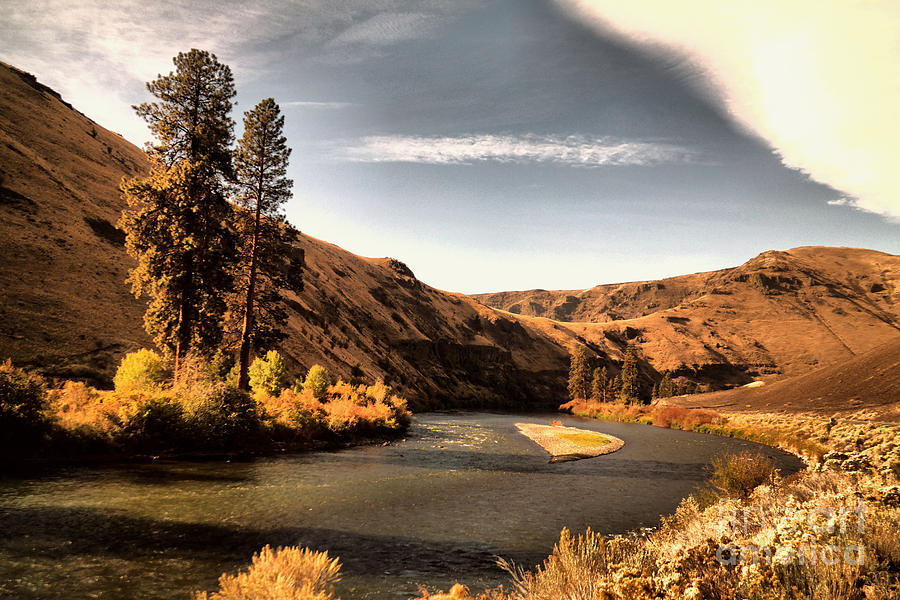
569 443
588 440
737 475
281 574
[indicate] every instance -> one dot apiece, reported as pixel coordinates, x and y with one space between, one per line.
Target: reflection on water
431 510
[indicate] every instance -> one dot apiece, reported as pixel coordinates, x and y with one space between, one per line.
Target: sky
518 144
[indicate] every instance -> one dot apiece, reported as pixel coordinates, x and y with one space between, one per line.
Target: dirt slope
63 302
869 381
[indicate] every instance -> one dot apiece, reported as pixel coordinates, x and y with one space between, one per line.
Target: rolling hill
65 308
868 382
780 313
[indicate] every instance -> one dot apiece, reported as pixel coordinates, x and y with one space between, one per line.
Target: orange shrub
79 406
346 410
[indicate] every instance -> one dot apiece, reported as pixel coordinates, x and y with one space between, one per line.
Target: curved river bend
431 510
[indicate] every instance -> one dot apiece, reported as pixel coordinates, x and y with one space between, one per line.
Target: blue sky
516 144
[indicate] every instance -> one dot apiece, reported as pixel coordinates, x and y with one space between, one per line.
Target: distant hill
779 313
869 382
65 308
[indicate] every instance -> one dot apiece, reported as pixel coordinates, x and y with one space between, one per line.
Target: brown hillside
67 310
869 381
779 313
63 302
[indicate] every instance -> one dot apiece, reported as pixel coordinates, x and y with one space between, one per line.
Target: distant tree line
206 226
587 381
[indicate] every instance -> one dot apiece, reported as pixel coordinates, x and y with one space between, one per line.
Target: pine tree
261 162
612 388
579 374
178 226
628 390
667 386
600 385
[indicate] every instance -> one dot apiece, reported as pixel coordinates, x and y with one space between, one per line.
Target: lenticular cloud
817 80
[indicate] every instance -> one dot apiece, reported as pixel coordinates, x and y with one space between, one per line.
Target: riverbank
569 443
760 431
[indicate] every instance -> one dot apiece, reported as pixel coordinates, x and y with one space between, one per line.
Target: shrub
578 566
149 423
737 475
141 370
281 574
317 382
197 372
77 405
221 416
222 366
268 375
23 402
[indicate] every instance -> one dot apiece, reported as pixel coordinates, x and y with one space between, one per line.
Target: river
430 510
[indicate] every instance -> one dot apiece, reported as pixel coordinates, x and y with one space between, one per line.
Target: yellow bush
141 370
78 405
282 574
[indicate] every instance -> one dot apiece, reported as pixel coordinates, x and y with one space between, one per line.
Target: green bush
139 371
149 423
268 375
222 416
317 382
23 404
223 367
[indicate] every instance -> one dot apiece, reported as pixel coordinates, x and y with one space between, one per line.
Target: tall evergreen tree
628 390
261 162
579 374
600 385
178 226
667 387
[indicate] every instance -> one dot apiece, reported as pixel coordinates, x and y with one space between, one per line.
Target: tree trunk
183 334
244 373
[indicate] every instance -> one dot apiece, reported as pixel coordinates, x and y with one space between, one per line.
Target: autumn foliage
281 574
198 412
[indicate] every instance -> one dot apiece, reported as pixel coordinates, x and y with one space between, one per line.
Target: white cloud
469 149
843 201
388 28
318 105
817 80
98 54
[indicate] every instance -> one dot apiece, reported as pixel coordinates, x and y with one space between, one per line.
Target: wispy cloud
470 149
389 28
98 54
817 80
318 105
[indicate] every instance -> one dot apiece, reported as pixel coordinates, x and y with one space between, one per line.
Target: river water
434 509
